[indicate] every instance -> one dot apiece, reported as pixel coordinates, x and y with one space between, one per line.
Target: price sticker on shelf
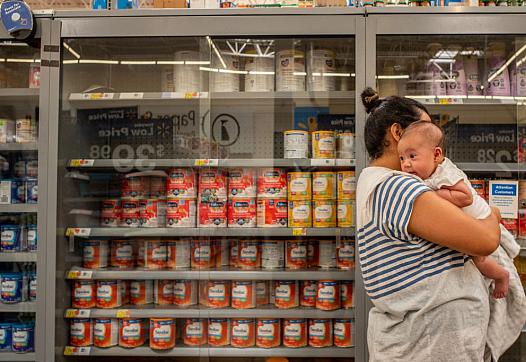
80 232
168 95
299 231
348 162
191 95
322 162
77 351
206 162
123 313
81 163
97 96
79 274
137 95
78 313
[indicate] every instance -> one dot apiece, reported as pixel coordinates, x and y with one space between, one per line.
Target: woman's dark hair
384 112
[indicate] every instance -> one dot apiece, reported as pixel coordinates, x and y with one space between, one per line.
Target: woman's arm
437 220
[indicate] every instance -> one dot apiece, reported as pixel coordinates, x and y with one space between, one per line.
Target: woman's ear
396 131
438 154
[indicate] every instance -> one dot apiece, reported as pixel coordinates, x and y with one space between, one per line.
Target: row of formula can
17 337
321 185
17 238
23 130
19 191
323 144
18 287
163 333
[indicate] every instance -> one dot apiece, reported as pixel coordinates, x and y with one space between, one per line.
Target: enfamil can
268 333
242 212
272 212
110 213
105 333
219 332
242 183
181 213
181 183
272 183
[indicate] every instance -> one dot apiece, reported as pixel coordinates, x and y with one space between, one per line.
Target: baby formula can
105 332
218 294
327 252
31 191
296 251
122 254
81 332
179 254
152 213
296 144
308 293
132 332
321 62
155 254
133 187
345 145
212 185
328 295
249 256
6 336
234 252
219 332
260 77
32 278
342 333
324 215
185 293
223 81
212 214
243 334
300 214
95 254
181 213
290 71
195 332
110 213
299 186
268 333
16 191
294 333
324 185
23 337
84 294
162 333
272 254
202 254
242 212
157 187
222 252
130 214
323 144
346 185
243 294
32 238
109 293
511 225
141 292
262 292
125 292
11 239
272 183
181 183
346 287
163 292
13 288
242 183
313 253
345 254
320 333
286 294
345 213
272 213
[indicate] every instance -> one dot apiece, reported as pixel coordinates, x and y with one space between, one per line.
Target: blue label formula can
11 238
6 333
31 191
23 337
13 288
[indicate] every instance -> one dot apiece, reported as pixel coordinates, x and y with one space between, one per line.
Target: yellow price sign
299 231
71 313
443 101
201 162
70 232
123 313
73 274
190 95
75 163
70 351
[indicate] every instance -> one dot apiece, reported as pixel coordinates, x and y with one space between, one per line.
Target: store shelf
491 167
214 274
19 208
162 311
17 147
18 257
14 357
19 94
19 307
470 101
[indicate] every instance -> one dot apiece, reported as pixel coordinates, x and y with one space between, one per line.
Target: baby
421 154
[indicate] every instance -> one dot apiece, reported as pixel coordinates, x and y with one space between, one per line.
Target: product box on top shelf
173 4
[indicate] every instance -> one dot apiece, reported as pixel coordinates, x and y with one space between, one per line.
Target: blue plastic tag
17 18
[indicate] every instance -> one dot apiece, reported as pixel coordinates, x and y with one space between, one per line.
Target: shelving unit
15 357
23 257
19 94
22 307
19 208
17 147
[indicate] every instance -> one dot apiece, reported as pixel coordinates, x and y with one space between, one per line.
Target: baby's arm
459 194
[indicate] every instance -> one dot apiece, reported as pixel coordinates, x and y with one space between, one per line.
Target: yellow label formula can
323 144
324 185
299 186
324 214
346 185
300 214
345 213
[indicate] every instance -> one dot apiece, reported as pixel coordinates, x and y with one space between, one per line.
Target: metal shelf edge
19 307
18 257
19 208
11 356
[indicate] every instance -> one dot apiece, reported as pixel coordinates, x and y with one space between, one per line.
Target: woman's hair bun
370 99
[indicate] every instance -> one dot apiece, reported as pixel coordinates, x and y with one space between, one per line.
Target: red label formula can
272 213
217 294
110 213
109 293
242 212
162 333
213 213
308 290
130 214
296 254
195 332
249 254
328 295
155 254
262 292
141 292
272 183
163 292
320 333
185 293
222 252
122 254
243 334
345 254
202 254
346 287
242 183
81 332
84 294
179 254
294 333
133 187
243 294
268 333
181 183
342 333
286 294
152 213
95 254
181 213
272 254
132 332
212 185
105 333
219 332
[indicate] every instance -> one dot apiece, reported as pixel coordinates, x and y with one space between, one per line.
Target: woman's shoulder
372 177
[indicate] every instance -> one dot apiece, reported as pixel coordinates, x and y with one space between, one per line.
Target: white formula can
290 71
187 76
272 254
227 79
327 254
296 144
260 74
167 79
179 254
345 145
321 64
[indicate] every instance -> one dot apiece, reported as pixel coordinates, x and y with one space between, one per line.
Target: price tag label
77 351
97 96
191 95
123 313
443 101
80 232
168 95
79 274
299 231
78 313
206 162
131 96
322 162
81 163
200 162
345 162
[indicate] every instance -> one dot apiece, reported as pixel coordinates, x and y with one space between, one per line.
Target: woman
430 302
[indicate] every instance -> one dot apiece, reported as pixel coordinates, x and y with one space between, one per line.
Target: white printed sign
504 195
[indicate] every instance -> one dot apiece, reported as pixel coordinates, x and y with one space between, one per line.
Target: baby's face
417 155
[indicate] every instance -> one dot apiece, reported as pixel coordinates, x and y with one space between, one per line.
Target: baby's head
421 149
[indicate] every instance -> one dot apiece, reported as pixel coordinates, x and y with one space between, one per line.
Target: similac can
296 254
243 294
162 333
272 213
181 183
6 336
185 293
202 254
133 187
222 252
234 252
122 254
179 254
242 212
242 183
272 183
141 292
327 254
268 333
323 144
155 254
105 333
81 332
110 213
95 254
346 185
132 332
480 187
152 213
313 253
328 295
212 185
130 214
213 213
272 254
324 214
109 293
125 292
324 185
13 287
11 239
217 294
163 292
300 214
286 294
308 293
243 334
23 337
195 332
342 333
345 213
294 333
249 254
262 293
296 144
320 333
346 287
345 254
345 145
181 213
219 332
299 186
84 294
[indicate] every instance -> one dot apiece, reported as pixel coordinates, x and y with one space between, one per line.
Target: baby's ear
439 153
